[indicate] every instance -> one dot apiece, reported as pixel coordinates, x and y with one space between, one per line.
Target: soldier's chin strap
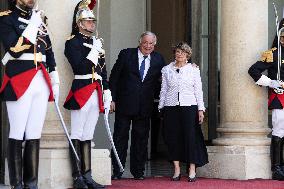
22 5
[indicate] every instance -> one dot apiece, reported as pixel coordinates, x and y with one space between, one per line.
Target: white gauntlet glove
274 84
93 55
107 100
32 29
55 85
96 49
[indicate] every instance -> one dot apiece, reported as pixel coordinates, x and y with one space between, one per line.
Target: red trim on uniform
100 96
21 82
48 81
6 79
83 94
27 41
69 96
273 95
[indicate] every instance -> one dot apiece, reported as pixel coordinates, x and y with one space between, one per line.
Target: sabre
278 32
277 26
111 141
65 130
98 17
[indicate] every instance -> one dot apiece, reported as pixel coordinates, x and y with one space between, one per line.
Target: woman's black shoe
177 178
115 177
193 179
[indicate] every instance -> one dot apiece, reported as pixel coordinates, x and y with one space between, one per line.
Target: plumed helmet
87 5
85 10
85 14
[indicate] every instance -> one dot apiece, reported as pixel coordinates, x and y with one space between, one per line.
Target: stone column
242 149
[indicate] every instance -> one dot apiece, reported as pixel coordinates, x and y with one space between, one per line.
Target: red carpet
201 183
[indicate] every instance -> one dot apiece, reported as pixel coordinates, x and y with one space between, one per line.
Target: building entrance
195 22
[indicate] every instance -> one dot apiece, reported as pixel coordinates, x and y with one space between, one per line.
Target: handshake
34 25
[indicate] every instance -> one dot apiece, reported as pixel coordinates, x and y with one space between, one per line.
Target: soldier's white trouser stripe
278 122
83 121
27 114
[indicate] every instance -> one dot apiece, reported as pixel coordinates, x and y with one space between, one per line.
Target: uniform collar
23 13
85 36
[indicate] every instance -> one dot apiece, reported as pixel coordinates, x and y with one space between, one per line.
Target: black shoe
139 177
94 185
90 181
193 179
19 186
78 183
277 173
282 168
177 178
115 177
31 187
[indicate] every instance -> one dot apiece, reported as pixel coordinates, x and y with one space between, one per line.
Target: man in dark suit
132 83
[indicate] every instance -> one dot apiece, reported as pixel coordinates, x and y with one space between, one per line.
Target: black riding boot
31 158
15 163
86 165
282 158
78 181
276 158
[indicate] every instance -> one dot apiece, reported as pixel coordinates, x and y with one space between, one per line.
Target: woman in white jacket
181 100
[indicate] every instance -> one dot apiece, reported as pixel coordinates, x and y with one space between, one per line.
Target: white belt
96 76
25 56
87 76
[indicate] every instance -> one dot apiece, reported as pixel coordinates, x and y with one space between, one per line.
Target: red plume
92 4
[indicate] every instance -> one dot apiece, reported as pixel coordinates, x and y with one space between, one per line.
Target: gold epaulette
20 46
5 13
267 56
71 37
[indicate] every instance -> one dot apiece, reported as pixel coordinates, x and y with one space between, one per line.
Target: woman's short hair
184 47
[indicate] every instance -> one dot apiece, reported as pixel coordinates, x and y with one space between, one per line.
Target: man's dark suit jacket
132 96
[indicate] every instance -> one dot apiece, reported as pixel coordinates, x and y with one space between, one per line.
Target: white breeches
278 122
84 121
27 114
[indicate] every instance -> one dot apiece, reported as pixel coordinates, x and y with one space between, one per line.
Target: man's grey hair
148 33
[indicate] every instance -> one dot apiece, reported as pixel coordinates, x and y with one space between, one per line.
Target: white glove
98 44
55 89
55 85
274 84
93 55
107 100
32 29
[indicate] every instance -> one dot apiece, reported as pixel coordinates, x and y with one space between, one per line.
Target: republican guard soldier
30 81
270 62
89 94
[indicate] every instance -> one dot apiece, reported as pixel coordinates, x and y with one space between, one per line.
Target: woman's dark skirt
183 135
